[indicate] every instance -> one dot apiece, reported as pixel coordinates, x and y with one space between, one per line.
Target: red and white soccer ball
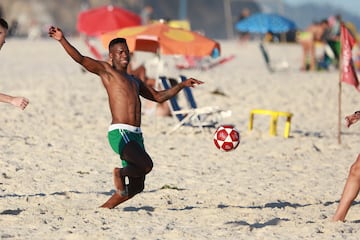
226 138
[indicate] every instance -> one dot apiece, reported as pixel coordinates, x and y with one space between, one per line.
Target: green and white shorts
120 134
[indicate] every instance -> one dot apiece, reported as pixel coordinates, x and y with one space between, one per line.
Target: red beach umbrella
96 21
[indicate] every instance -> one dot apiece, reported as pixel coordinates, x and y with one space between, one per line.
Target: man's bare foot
120 194
353 118
114 200
335 219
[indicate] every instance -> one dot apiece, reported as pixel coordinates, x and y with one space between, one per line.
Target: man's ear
109 61
110 57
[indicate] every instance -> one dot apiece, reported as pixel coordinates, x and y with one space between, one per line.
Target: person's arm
161 96
88 63
19 102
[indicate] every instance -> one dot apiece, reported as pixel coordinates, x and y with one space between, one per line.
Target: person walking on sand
352 185
19 102
124 135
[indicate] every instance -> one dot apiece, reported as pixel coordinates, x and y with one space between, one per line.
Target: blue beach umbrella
265 22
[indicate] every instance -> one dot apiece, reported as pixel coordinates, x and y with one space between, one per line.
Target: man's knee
136 188
149 166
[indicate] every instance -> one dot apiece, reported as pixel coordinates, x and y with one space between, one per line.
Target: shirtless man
124 134
19 102
352 185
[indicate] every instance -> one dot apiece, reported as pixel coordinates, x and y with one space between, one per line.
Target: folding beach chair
266 57
205 117
192 103
283 65
203 63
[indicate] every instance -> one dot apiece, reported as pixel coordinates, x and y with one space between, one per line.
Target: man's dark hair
3 23
116 41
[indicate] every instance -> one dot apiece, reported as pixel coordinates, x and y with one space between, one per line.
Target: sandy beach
56 163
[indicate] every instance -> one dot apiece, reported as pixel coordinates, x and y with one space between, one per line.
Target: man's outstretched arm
90 64
161 96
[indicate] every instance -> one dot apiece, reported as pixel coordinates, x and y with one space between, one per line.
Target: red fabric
348 73
93 50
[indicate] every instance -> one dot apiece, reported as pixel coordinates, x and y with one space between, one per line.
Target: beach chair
193 116
279 66
266 57
190 99
203 63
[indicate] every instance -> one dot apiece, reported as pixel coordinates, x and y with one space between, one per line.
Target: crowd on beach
323 34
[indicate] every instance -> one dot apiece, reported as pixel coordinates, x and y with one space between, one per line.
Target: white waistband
125 127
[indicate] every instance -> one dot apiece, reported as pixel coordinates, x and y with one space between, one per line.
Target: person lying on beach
20 102
352 185
149 107
124 91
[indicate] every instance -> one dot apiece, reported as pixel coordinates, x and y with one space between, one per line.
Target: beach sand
56 163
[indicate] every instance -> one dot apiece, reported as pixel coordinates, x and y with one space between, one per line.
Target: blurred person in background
308 39
146 15
244 36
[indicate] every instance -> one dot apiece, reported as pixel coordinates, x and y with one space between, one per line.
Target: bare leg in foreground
351 190
352 185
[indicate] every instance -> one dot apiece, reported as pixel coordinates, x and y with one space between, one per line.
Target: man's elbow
159 100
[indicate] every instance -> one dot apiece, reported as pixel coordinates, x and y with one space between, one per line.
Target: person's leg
312 54
121 193
115 200
163 110
139 164
351 190
136 185
305 49
119 182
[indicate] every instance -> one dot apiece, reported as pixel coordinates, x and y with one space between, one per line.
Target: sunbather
149 107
